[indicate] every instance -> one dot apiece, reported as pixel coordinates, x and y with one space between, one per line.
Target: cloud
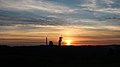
106 10
101 42
101 28
32 5
89 3
100 6
96 3
8 21
85 14
87 19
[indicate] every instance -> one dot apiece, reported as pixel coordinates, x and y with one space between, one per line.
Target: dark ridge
57 55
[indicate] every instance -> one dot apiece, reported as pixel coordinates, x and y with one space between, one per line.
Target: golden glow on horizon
68 42
72 35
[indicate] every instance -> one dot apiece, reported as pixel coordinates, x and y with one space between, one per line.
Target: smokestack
46 41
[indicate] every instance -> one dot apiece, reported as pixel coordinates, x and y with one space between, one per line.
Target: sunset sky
83 22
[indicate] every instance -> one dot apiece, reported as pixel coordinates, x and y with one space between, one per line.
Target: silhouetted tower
51 43
46 41
60 41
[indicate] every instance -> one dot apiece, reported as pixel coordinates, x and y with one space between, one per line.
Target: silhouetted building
60 41
51 43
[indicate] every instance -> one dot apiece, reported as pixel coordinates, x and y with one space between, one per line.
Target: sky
83 22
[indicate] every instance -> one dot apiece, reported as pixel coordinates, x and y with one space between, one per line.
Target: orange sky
77 36
83 22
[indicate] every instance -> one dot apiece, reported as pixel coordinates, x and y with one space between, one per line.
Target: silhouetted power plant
51 42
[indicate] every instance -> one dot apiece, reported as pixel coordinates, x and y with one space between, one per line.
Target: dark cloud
102 30
99 42
98 36
8 21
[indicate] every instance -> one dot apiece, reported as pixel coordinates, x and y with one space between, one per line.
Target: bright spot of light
68 42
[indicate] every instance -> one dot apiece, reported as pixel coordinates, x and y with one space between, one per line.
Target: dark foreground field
54 55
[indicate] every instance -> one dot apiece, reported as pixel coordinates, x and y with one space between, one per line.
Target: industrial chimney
46 41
